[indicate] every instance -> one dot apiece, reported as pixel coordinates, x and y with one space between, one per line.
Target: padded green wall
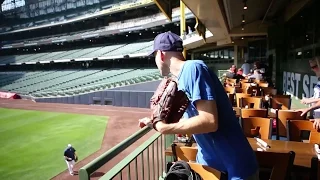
292 44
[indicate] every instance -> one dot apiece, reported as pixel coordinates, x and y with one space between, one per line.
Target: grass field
32 142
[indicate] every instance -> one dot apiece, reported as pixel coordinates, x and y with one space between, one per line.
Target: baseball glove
168 103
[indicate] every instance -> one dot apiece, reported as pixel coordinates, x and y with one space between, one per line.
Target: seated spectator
239 75
250 73
232 72
240 72
256 75
246 67
262 67
233 68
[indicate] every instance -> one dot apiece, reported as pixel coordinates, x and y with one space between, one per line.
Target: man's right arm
313 107
310 100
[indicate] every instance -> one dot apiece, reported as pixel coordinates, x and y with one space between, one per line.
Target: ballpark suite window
12 4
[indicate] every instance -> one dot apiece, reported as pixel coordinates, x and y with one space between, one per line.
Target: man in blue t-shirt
210 117
70 156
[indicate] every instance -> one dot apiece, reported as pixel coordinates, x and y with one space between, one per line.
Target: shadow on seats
8 59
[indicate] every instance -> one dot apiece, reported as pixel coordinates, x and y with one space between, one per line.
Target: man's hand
316 123
303 111
305 101
145 122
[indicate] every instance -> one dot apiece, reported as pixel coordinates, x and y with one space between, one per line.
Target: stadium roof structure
103 12
232 21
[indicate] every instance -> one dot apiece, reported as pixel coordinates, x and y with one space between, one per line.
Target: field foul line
79 108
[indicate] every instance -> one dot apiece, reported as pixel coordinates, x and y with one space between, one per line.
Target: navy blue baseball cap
167 41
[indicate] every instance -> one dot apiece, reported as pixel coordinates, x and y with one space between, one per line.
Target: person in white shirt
315 67
256 75
316 122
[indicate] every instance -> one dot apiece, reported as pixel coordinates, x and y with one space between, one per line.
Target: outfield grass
32 142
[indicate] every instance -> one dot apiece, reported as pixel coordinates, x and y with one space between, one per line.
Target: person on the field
210 117
70 156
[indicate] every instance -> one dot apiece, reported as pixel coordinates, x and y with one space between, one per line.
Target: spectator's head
233 68
167 47
315 65
256 65
240 71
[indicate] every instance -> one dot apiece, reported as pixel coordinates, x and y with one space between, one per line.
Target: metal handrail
85 171
112 173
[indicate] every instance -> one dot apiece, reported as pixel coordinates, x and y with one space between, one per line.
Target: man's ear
162 56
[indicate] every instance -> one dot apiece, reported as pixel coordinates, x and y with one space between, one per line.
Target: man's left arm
206 121
199 85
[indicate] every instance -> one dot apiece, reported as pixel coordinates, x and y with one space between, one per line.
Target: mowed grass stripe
32 142
21 120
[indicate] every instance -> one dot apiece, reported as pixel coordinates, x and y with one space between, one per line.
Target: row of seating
71 82
272 165
264 112
93 52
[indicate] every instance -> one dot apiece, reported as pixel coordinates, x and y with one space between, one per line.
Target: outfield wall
111 97
137 95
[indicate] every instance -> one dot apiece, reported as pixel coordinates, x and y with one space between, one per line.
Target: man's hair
316 60
178 55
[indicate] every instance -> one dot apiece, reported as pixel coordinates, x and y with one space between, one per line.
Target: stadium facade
83 53
56 49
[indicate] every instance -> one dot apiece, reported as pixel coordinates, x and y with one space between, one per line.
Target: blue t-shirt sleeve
200 83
